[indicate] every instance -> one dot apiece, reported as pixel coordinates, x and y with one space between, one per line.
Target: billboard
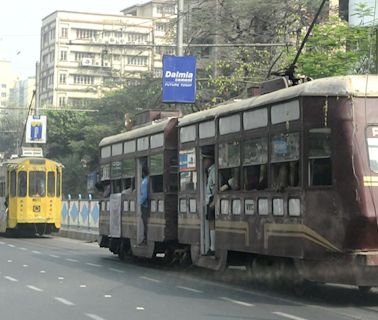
179 79
36 129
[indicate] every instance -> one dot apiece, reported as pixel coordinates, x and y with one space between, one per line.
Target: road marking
1 242
25 265
23 249
116 270
289 316
10 278
107 295
71 260
150 279
11 245
93 264
10 261
37 252
64 301
93 316
189 289
242 303
42 271
83 286
60 278
53 256
34 288
140 308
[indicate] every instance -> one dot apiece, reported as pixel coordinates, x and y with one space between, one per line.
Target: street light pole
180 28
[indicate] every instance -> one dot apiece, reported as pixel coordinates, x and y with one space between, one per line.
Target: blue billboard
179 79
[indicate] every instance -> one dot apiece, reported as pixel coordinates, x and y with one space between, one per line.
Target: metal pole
180 28
376 50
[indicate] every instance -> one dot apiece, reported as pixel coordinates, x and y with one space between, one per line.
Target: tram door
141 162
206 157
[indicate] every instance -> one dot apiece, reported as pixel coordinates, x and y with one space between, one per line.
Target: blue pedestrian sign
179 79
36 129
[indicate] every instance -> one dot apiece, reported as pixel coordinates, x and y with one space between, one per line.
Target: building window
81 79
161 26
62 101
52 34
166 50
137 37
3 86
64 33
137 61
3 95
62 78
85 33
63 55
52 56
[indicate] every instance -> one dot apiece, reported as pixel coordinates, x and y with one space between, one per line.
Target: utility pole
180 28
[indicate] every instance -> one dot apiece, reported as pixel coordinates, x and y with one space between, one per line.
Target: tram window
284 112
37 183
129 146
128 185
254 164
255 119
2 189
105 152
51 184
157 140
22 184
188 133
320 164
13 183
285 161
156 172
117 186
188 181
142 143
57 183
229 124
207 129
229 162
116 149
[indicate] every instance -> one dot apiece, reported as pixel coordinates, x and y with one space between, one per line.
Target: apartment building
7 81
85 54
21 95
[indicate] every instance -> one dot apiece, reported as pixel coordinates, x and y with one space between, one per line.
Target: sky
21 20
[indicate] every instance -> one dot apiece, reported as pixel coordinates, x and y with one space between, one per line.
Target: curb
84 235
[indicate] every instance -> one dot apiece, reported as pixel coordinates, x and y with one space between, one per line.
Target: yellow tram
30 195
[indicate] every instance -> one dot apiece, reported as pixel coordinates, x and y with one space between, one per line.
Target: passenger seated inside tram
128 186
230 181
285 175
255 177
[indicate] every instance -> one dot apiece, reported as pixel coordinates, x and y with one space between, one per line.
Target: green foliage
334 48
73 137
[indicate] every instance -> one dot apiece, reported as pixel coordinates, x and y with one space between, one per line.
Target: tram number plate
36 208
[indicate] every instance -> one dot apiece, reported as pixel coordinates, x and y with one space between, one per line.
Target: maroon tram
296 182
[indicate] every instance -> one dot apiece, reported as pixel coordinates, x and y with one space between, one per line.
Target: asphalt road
58 278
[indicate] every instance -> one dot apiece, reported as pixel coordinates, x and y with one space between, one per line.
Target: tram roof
154 127
17 161
355 85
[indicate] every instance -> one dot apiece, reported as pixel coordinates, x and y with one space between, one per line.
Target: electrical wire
26 121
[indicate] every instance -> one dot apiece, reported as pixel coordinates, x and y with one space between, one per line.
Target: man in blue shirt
144 201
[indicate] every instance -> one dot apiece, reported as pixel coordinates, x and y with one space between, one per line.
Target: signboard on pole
36 129
179 79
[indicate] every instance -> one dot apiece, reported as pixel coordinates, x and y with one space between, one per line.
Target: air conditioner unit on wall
86 62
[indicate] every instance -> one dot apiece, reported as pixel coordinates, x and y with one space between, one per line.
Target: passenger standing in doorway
209 167
144 201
